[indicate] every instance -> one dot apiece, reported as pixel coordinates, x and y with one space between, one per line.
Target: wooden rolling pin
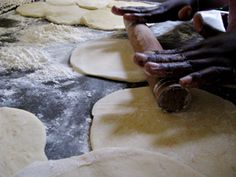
169 94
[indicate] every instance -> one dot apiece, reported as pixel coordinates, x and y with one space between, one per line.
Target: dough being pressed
93 4
113 162
103 19
204 137
68 15
22 140
111 59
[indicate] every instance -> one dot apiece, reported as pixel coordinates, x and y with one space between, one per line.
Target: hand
168 10
210 61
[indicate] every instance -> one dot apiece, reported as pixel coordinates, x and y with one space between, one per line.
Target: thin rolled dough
112 162
204 137
22 140
62 2
93 4
103 19
68 15
128 3
111 59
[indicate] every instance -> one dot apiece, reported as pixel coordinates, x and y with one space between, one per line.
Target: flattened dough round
22 140
103 19
61 2
68 15
36 9
111 59
111 163
93 4
204 137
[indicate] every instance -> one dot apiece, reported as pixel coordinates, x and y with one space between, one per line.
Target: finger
131 9
150 17
141 58
202 53
168 69
208 62
185 13
209 75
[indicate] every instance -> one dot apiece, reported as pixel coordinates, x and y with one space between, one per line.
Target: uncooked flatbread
22 140
103 19
128 3
111 163
204 137
36 9
93 4
111 59
62 2
68 15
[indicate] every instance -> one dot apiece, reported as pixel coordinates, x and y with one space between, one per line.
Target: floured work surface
44 84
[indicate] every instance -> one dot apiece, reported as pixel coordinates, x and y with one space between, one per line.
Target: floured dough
112 162
22 140
61 2
103 19
69 14
93 4
204 137
111 59
128 3
36 9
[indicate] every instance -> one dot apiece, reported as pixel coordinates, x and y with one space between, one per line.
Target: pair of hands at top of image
207 62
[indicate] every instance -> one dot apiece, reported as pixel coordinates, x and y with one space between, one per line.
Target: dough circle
111 162
22 140
110 59
60 14
93 4
103 19
61 2
204 137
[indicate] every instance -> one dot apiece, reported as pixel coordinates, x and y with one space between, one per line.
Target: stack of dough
94 13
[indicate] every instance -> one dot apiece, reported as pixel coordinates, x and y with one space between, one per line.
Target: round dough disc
36 9
103 19
68 15
110 59
112 163
93 4
61 2
204 137
22 139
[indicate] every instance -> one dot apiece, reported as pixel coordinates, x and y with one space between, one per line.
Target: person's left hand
210 61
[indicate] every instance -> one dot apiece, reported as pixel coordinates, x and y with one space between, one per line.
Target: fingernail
140 59
186 81
152 68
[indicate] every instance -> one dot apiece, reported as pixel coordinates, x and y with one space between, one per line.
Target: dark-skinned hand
207 62
168 10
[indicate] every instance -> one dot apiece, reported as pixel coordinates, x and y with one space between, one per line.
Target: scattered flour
52 33
53 72
22 58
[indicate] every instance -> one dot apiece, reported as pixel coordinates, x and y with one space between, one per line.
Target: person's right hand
168 10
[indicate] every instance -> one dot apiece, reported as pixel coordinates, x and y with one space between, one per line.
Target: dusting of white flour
51 33
22 58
